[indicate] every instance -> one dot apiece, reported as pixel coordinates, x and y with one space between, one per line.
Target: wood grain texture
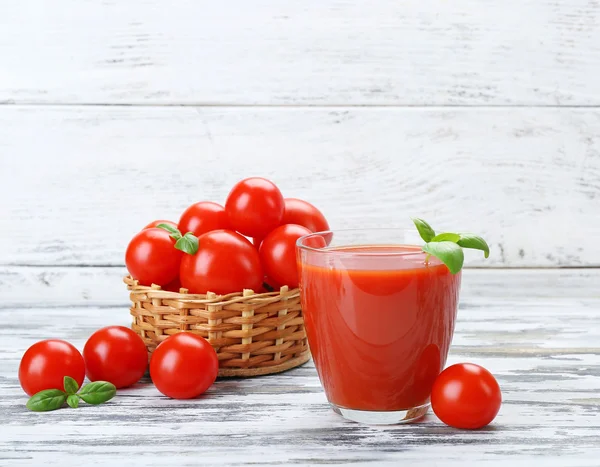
59 286
415 52
544 352
80 181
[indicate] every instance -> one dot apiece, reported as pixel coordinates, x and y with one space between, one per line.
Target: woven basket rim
155 291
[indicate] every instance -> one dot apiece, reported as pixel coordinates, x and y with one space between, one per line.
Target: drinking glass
379 315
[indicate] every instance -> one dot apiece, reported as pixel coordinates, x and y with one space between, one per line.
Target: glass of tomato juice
380 317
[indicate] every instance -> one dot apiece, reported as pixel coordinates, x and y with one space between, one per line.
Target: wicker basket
253 334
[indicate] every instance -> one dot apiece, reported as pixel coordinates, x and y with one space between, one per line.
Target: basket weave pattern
253 334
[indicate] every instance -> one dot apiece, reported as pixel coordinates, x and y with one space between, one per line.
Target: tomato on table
184 366
45 364
255 207
466 396
298 211
158 222
278 254
152 258
225 262
115 354
203 217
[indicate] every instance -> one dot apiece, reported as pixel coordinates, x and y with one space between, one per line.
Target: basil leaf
98 392
448 252
73 401
425 230
175 233
49 399
475 242
71 386
188 244
446 237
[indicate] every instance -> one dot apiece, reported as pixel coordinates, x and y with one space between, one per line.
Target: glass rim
341 249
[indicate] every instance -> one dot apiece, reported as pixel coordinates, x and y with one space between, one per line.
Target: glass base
369 417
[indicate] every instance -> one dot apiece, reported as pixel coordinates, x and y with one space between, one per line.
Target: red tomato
152 258
46 363
158 222
466 396
256 241
203 217
255 207
303 213
184 366
278 253
173 286
225 262
115 354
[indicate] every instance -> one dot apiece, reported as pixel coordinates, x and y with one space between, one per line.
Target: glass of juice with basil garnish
379 310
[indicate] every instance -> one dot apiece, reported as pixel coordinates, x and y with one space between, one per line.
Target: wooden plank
80 181
547 366
435 52
57 286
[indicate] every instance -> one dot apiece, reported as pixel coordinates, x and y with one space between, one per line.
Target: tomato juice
380 320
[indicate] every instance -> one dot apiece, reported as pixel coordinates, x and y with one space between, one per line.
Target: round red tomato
46 363
115 354
255 207
203 217
278 253
303 213
184 366
158 222
152 258
225 262
466 396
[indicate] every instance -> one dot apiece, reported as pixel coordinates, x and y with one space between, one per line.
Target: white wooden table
475 115
537 331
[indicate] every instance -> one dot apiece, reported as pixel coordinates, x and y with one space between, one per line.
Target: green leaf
448 252
475 242
49 399
188 244
425 230
446 237
71 386
73 401
98 392
175 233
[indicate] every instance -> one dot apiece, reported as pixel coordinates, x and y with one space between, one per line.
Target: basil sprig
187 243
94 393
448 246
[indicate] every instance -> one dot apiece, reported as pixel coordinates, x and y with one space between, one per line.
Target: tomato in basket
152 258
298 211
225 262
203 217
158 222
278 253
255 207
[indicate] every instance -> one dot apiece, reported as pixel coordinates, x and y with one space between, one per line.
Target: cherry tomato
466 396
46 363
152 258
115 354
184 366
173 286
203 217
303 213
158 222
255 207
225 262
278 253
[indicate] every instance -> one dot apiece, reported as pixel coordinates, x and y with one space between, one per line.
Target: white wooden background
474 114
